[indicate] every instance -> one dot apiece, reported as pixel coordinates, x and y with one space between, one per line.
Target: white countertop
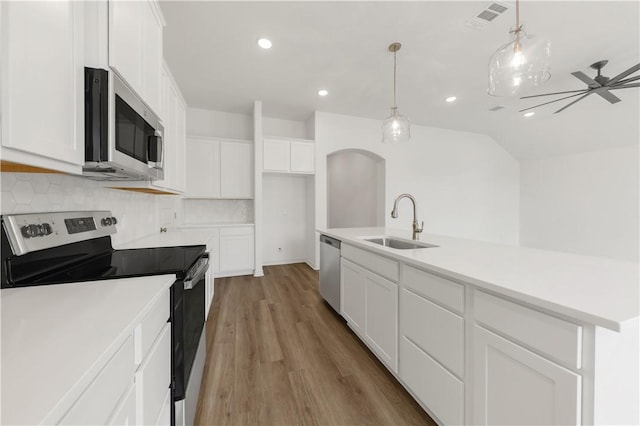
600 291
56 338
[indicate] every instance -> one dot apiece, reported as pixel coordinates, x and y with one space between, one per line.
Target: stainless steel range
65 247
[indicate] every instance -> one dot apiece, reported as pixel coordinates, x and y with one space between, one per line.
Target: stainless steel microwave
123 137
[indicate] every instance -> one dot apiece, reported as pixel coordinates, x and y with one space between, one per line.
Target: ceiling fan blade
554 93
557 100
628 80
624 74
626 86
613 99
585 79
571 103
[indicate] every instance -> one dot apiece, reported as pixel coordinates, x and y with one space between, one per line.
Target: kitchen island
485 333
69 353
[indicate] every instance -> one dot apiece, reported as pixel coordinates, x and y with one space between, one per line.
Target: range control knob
106 221
114 220
46 229
29 231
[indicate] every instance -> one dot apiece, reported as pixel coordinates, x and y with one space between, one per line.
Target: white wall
284 219
284 128
584 203
355 190
202 122
465 184
138 214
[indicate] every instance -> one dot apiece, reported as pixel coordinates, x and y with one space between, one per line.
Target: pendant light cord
518 27
394 81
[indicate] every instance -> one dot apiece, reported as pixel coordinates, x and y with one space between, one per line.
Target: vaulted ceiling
342 47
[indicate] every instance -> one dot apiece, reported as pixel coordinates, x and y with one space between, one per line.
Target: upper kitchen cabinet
289 156
219 169
135 47
42 84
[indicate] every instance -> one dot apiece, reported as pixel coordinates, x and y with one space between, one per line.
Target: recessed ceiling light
451 99
323 92
265 43
529 114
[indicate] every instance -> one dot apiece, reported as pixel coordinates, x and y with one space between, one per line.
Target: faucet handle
418 230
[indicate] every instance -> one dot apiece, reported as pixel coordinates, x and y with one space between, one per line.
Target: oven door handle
201 269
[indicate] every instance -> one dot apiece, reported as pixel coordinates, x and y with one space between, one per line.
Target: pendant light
395 128
519 65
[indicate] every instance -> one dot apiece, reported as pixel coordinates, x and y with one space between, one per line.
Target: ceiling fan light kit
520 65
395 128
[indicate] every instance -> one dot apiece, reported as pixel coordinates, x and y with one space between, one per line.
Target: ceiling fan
599 85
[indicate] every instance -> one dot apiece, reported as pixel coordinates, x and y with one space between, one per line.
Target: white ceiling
342 47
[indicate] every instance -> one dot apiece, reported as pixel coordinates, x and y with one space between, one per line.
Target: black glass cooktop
128 263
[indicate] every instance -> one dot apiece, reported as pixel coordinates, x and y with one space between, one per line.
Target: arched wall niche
355 189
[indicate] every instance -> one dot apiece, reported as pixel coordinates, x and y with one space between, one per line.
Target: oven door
188 340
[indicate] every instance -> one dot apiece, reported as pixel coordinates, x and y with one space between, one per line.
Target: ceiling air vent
496 108
486 15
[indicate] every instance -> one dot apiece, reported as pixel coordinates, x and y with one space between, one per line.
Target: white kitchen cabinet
382 318
288 156
352 295
369 303
42 84
236 251
219 169
203 168
513 385
135 47
153 379
236 170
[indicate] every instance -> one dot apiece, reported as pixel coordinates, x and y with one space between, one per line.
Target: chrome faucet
394 214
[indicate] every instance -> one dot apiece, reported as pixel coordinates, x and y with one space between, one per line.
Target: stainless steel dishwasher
330 271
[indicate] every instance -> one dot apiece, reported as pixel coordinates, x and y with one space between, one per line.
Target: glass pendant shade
395 128
519 66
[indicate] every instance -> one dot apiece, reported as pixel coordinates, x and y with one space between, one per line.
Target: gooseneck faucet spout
394 214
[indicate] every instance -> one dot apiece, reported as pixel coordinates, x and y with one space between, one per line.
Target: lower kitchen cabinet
237 256
369 303
512 385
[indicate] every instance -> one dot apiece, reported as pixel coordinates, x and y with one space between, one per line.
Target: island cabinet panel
512 385
353 286
439 290
435 330
99 400
381 265
559 339
434 386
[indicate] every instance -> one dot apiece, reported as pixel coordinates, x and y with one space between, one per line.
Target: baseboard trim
314 267
283 262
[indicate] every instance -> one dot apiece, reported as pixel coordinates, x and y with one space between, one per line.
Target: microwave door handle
155 151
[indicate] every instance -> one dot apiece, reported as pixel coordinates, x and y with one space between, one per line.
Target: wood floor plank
279 355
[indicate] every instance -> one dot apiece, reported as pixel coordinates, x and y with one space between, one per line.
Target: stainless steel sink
399 243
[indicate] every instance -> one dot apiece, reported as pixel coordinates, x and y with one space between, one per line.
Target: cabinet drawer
433 329
125 413
440 391
379 264
557 338
153 379
439 290
165 415
146 332
99 400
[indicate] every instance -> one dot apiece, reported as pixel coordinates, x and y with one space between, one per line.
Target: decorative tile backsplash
138 214
202 212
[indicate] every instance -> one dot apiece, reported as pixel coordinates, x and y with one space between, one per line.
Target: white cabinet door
151 57
42 83
236 170
203 168
153 379
382 318
514 386
275 156
125 40
353 287
236 250
181 145
302 157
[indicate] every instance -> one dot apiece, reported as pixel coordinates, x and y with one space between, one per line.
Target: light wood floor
278 355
